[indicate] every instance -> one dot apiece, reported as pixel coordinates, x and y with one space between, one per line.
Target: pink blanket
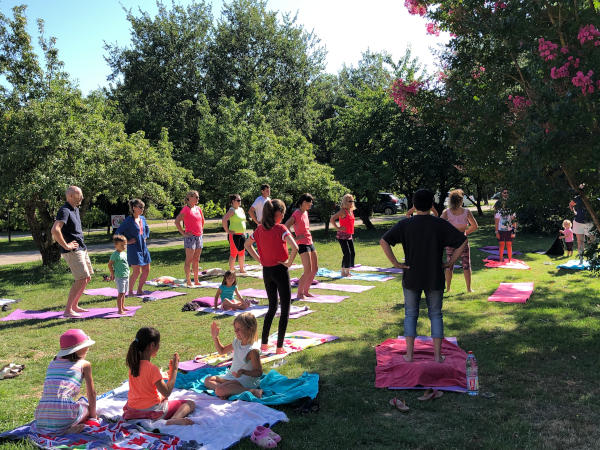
512 292
93 313
393 371
261 293
112 292
513 264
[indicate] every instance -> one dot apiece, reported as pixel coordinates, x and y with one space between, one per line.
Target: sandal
262 430
263 440
430 394
399 404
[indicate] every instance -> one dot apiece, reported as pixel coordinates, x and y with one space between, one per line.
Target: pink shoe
262 430
263 439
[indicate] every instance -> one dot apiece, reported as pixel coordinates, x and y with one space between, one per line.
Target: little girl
227 290
246 369
58 412
148 393
568 236
271 239
345 232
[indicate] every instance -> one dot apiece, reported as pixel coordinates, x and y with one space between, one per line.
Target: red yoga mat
392 371
512 292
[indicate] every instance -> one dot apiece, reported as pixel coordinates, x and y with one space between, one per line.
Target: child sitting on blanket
567 235
227 290
58 412
119 270
148 392
246 369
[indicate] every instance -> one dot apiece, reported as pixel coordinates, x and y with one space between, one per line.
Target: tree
51 137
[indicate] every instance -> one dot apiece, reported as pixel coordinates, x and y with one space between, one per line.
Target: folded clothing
393 371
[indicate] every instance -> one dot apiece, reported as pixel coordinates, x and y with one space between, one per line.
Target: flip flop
260 430
399 404
430 394
263 440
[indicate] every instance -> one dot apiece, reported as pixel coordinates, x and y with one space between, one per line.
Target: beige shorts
583 228
79 263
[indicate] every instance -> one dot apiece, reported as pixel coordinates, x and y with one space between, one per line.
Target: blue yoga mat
573 264
323 272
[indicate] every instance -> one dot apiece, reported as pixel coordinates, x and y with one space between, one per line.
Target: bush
152 212
212 210
94 217
168 211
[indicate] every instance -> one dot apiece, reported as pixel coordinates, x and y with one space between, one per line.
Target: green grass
539 358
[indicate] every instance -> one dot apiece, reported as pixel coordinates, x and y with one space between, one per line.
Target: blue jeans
434 311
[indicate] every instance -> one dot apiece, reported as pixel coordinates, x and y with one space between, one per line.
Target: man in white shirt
257 207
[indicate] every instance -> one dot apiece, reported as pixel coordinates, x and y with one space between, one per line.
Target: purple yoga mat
310 334
94 313
354 288
261 293
112 292
494 250
207 301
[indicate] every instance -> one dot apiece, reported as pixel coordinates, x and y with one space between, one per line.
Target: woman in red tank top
345 231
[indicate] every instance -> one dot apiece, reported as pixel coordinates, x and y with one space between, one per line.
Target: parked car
386 203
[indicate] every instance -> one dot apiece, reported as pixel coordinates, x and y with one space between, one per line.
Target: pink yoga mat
513 264
354 288
261 293
207 301
112 292
94 313
512 292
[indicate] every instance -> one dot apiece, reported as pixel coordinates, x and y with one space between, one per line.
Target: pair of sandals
265 437
11 370
430 394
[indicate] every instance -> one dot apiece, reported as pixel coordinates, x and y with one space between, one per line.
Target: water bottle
472 377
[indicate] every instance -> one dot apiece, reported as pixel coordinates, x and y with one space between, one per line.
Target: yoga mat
259 267
93 313
323 272
512 292
361 268
513 264
261 293
334 286
112 292
7 301
207 301
257 311
573 264
495 250
292 343
393 372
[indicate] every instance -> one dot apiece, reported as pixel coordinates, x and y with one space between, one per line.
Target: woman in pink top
193 223
306 248
463 221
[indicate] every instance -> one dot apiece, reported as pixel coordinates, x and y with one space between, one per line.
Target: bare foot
75 429
280 351
120 312
308 294
71 314
243 272
447 289
79 310
407 358
470 290
180 421
440 359
130 294
299 296
256 392
140 293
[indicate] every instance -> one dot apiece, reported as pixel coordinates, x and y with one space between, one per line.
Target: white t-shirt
258 206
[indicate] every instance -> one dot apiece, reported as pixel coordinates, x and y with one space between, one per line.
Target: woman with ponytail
148 392
136 230
272 239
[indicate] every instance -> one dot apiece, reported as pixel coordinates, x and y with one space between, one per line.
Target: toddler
246 369
567 235
119 270
227 290
58 412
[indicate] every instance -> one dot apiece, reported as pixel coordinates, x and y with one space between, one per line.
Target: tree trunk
480 195
40 223
365 216
586 201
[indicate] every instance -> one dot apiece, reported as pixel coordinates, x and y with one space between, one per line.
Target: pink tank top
459 220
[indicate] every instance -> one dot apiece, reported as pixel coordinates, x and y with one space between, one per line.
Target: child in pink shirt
567 235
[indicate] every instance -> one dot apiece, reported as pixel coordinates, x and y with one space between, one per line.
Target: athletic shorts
303 248
79 263
122 285
465 256
505 236
193 242
569 246
236 244
582 228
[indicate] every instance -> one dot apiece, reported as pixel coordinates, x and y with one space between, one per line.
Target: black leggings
348 251
277 280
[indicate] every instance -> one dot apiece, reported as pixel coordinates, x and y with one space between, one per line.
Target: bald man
67 231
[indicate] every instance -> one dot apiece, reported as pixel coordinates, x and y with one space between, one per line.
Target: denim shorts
303 248
193 242
122 285
412 299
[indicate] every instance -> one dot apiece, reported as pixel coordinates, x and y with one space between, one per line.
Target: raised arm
166 388
214 332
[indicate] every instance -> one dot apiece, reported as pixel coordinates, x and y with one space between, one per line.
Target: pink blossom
588 33
433 29
415 7
547 49
518 103
584 82
498 5
400 91
564 50
561 72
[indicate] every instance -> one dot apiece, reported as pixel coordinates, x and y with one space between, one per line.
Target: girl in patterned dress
58 412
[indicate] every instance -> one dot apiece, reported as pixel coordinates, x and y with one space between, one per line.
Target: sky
346 28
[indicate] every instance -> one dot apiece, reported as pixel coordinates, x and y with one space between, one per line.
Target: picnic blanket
393 372
277 389
512 292
112 292
573 264
293 342
218 423
323 272
257 311
361 268
261 293
93 313
334 286
101 434
513 264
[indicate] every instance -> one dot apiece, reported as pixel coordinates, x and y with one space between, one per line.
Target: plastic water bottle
472 376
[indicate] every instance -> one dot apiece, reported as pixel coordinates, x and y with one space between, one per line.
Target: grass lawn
540 359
